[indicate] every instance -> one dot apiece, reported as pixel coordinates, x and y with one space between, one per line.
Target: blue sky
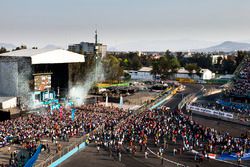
62 22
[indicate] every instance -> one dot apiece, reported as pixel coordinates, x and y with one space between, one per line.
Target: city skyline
123 24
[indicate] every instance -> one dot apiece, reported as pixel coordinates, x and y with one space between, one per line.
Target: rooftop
3 99
47 56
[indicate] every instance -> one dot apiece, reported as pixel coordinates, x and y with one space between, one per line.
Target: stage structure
38 73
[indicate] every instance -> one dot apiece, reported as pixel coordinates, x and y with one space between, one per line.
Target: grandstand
239 88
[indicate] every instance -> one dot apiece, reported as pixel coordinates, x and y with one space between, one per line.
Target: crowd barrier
236 105
67 155
231 156
33 159
219 114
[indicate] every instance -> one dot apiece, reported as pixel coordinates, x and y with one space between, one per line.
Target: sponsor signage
210 111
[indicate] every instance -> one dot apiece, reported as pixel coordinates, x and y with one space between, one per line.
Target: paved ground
89 157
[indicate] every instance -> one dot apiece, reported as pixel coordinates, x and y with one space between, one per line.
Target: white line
176 163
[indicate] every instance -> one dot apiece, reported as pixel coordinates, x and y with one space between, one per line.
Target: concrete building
37 71
142 74
217 59
205 74
87 49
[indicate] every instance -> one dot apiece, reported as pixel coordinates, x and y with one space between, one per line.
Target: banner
210 111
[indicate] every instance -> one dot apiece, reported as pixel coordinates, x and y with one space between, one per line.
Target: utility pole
96 54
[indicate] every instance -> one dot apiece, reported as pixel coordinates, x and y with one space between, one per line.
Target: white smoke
80 91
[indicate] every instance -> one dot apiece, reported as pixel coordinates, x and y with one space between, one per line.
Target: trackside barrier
164 98
33 159
69 154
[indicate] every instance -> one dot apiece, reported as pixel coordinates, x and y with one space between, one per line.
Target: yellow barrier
185 80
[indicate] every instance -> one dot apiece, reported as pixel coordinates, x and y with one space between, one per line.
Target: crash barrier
217 113
33 159
235 105
69 154
233 156
68 151
164 98
188 99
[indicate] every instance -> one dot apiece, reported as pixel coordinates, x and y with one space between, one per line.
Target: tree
20 47
3 50
240 56
191 68
174 64
155 68
112 68
228 66
165 66
134 61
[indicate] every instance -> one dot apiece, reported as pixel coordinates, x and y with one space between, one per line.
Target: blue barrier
235 105
159 103
233 157
69 154
33 159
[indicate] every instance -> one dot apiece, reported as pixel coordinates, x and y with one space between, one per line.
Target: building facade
88 49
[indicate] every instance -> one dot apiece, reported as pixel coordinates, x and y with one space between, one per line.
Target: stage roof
47 56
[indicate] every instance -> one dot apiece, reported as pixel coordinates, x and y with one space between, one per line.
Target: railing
67 149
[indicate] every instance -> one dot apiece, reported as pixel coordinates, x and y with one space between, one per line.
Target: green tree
228 66
3 50
112 68
190 68
134 61
165 66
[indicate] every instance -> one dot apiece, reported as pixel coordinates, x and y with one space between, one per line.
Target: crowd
57 125
241 83
122 130
165 127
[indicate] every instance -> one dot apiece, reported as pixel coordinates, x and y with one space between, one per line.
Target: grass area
105 85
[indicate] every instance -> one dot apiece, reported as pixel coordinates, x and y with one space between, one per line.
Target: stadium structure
42 73
239 87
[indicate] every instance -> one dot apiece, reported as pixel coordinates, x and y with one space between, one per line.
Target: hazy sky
62 22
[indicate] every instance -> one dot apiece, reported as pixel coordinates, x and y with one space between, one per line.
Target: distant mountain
227 46
8 46
162 45
51 46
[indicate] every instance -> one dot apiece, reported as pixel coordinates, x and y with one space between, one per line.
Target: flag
107 99
121 102
73 114
61 114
